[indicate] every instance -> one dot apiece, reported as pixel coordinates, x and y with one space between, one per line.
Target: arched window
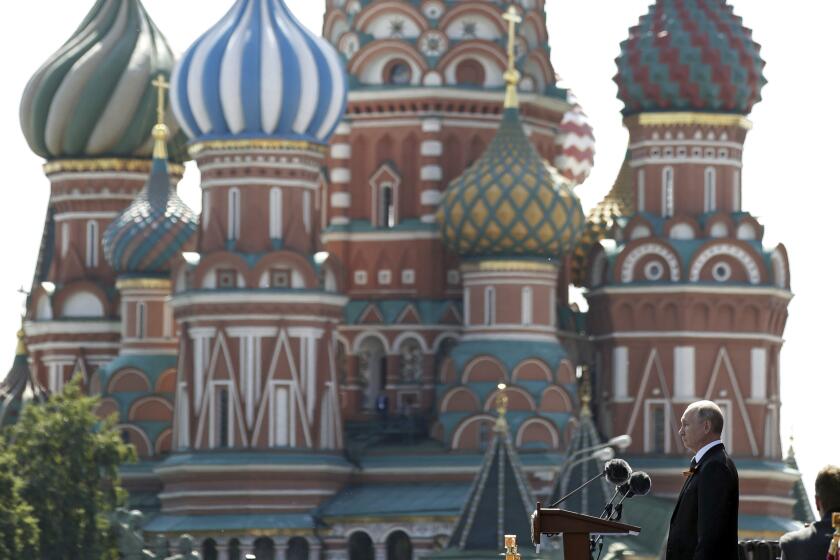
234 552
709 190
668 191
297 549
527 305
208 550
469 72
372 364
736 191
92 244
222 416
234 202
489 305
360 546
398 546
264 548
640 191
307 211
397 73
65 238
141 320
275 223
387 217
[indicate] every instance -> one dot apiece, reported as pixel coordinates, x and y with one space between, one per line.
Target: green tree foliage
18 529
68 459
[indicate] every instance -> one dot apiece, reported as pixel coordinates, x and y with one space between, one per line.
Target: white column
380 552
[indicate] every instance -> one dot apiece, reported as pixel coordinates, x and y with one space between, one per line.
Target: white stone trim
431 173
341 151
750 266
628 266
431 148
430 197
340 175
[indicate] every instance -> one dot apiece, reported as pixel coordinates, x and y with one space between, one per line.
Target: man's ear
819 505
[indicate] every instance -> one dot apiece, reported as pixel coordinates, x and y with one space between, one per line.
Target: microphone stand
578 489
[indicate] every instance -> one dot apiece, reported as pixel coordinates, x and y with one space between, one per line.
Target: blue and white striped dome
259 73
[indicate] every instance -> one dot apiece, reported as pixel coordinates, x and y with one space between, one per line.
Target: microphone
620 477
617 471
638 485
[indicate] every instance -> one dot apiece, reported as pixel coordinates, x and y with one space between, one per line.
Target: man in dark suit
812 542
704 525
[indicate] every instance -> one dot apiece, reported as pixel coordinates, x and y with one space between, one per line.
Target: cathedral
363 346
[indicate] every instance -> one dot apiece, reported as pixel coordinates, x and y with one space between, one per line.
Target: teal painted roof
19 387
94 97
240 457
690 55
379 459
510 202
151 365
509 352
167 523
397 500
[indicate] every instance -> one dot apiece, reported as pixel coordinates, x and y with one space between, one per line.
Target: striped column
431 172
339 181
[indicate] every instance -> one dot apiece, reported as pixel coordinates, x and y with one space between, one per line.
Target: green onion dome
510 202
690 55
93 98
145 237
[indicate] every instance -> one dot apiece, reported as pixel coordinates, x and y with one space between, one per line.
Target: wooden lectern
576 528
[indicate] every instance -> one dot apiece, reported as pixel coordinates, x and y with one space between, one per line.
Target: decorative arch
467 429
531 370
409 335
538 429
163 444
741 254
566 372
518 399
138 438
486 53
460 399
484 368
333 18
539 59
166 381
369 63
209 264
106 407
129 380
492 15
362 336
303 274
555 399
377 10
150 408
81 299
632 257
779 261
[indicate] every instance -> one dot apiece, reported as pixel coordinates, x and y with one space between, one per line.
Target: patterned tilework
690 55
510 202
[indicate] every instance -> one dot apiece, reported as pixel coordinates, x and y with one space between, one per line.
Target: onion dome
259 73
152 230
510 202
19 387
690 55
578 146
93 97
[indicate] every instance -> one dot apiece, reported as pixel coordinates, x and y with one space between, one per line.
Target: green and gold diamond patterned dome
510 202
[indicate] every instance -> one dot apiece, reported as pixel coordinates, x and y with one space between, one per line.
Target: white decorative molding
431 173
343 128
629 265
340 175
341 151
431 125
430 197
340 200
431 148
750 266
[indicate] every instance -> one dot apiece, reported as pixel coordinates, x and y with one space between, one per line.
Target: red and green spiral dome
689 55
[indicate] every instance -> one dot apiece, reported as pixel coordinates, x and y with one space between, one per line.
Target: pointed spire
21 341
20 386
512 75
500 501
160 132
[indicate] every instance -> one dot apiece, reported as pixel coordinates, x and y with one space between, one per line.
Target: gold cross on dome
162 85
512 17
511 74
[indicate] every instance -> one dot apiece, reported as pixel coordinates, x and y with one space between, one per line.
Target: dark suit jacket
704 525
809 543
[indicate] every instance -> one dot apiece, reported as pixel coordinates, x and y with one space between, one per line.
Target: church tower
686 302
257 303
426 90
88 111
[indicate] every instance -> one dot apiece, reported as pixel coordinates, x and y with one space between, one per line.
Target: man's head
827 489
702 423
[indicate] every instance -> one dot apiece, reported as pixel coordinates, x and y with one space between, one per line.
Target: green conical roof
802 511
19 386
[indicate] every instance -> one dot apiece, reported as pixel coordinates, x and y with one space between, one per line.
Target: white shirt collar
704 449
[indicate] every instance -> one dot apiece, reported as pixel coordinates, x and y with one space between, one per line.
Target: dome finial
160 132
512 75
